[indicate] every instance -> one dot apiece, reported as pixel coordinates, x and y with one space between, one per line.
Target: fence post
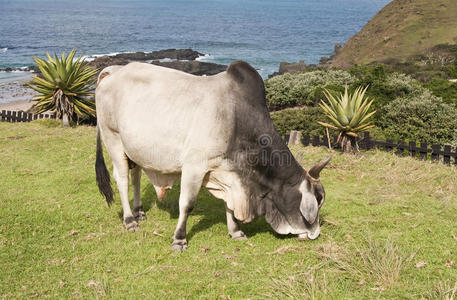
436 149
294 138
13 116
447 154
401 146
423 151
305 140
19 116
3 116
389 145
366 141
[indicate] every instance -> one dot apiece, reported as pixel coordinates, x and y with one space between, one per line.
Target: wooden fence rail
446 153
21 116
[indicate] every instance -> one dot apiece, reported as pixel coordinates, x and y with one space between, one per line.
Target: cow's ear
309 207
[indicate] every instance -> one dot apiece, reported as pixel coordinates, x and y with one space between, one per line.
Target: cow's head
295 209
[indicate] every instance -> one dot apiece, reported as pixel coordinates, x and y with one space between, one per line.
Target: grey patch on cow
131 224
139 214
179 245
131 163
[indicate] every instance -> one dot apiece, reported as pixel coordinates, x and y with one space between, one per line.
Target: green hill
401 30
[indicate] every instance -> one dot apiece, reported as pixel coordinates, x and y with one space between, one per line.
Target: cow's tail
101 172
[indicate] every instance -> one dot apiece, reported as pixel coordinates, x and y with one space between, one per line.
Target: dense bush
303 119
443 88
303 88
423 118
384 85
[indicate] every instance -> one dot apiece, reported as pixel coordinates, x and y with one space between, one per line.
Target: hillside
402 29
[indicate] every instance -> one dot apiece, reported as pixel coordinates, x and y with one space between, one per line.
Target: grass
389 231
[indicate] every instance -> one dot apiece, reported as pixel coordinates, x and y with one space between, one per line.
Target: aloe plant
349 114
65 87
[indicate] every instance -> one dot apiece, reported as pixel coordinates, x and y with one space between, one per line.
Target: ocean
261 32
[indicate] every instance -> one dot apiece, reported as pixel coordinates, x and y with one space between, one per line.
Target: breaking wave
3 50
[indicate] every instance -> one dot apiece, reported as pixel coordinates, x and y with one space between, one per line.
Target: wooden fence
446 154
21 116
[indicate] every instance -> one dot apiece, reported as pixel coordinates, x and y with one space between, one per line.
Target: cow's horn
314 171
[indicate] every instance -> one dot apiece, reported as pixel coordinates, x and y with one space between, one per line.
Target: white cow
211 131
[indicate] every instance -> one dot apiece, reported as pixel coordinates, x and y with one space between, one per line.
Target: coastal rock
105 61
178 54
285 67
193 67
184 60
292 68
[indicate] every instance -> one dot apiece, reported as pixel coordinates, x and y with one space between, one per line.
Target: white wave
203 57
167 59
3 50
92 57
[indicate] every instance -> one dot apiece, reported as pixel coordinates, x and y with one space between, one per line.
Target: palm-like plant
65 87
349 114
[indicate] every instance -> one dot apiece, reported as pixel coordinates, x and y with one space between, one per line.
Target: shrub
423 118
303 88
385 85
443 88
303 119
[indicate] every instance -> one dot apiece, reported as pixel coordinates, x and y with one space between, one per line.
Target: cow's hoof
131 224
179 245
139 215
238 235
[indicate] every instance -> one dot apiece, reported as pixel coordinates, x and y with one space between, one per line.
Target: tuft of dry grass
444 290
310 284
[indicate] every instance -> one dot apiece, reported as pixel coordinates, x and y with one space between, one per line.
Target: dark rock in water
9 70
105 61
178 54
188 55
285 67
193 67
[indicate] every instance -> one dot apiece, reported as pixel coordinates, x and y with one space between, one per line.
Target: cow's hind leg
191 181
138 211
121 175
233 228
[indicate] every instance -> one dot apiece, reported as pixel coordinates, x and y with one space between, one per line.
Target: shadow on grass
211 208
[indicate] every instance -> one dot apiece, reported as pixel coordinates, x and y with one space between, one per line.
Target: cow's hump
248 81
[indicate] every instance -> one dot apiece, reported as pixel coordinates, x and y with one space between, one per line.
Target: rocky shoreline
15 95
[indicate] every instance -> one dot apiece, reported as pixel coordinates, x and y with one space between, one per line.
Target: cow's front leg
191 181
138 212
233 228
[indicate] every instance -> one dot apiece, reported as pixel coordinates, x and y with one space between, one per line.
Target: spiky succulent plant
349 114
65 87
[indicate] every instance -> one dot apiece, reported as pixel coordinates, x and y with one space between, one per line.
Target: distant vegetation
407 108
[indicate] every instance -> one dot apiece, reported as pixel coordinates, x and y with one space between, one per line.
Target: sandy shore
14 95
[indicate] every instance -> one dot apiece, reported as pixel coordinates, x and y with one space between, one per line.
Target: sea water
261 32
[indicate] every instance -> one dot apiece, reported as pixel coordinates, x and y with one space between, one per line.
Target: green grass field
389 231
